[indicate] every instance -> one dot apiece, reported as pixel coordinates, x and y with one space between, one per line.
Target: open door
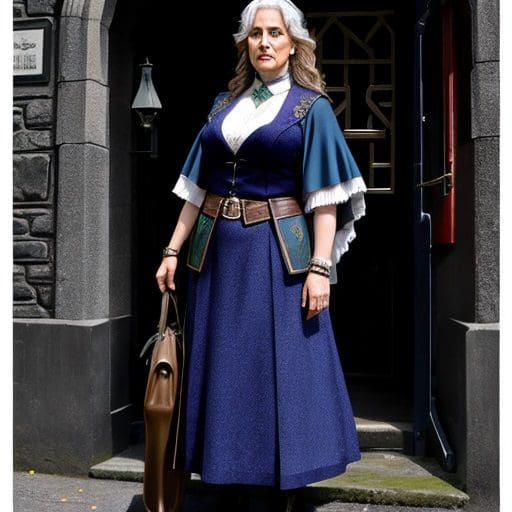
365 56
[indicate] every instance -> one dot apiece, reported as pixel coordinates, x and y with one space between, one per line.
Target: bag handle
162 324
164 312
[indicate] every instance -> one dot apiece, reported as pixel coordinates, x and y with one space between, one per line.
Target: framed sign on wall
32 51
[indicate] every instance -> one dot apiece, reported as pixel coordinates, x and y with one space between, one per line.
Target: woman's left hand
315 292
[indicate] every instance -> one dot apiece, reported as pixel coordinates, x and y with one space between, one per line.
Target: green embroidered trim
261 94
219 106
300 110
199 241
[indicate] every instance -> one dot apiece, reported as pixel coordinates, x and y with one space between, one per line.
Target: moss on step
425 483
374 487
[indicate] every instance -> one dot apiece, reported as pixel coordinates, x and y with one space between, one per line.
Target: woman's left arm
316 289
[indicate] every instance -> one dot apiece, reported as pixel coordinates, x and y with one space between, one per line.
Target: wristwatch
169 251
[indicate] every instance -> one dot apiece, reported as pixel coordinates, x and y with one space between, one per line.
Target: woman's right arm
165 273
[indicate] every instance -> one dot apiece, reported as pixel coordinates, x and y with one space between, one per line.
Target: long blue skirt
266 401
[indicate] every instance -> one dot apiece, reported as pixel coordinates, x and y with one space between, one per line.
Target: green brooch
261 94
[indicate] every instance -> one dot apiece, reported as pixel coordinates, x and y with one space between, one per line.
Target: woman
266 402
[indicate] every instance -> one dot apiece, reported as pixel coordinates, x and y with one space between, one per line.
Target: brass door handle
438 181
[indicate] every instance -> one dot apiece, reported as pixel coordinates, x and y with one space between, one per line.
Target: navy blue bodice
268 163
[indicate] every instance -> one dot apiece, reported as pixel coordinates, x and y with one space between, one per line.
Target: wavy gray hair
302 63
292 16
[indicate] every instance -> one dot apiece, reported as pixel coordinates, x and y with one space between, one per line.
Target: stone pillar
82 277
485 130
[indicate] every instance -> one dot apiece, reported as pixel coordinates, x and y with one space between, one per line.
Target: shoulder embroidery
305 101
221 103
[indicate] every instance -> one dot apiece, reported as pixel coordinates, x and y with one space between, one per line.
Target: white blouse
245 118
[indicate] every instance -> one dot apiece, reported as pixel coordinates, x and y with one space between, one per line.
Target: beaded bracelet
315 270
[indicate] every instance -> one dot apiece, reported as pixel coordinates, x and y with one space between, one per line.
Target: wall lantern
147 104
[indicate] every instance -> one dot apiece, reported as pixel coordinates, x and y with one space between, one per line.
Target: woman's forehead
267 16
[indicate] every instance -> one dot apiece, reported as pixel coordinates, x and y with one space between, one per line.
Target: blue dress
266 401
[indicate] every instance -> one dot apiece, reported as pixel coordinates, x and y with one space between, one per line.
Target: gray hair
292 16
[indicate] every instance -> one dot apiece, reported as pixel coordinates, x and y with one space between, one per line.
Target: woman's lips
264 57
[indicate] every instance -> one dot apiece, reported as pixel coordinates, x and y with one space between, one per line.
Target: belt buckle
231 208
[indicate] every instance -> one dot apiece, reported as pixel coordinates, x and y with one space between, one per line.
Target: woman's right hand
165 273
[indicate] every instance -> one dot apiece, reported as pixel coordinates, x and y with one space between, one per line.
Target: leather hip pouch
292 232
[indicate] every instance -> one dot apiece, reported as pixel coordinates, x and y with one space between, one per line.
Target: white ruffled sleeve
352 190
189 191
188 185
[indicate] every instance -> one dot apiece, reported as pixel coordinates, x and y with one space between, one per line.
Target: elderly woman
266 401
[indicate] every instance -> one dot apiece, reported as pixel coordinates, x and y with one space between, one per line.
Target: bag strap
174 299
164 312
162 324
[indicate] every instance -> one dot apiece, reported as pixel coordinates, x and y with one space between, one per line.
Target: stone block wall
33 183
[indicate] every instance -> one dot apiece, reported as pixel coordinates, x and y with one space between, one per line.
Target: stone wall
485 131
33 179
73 246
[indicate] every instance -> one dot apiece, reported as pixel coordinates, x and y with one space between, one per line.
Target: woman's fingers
304 294
165 274
161 275
171 270
321 302
170 280
316 290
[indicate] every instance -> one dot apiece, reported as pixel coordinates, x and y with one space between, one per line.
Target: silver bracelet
321 262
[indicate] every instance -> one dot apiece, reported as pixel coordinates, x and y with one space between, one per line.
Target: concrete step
387 435
386 478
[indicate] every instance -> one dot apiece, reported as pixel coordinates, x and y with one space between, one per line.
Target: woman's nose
265 41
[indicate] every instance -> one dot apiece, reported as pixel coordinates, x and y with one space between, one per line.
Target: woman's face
269 44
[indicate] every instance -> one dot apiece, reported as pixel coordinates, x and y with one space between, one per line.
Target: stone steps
387 435
388 478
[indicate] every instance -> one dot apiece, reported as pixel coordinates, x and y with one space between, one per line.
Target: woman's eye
255 33
275 33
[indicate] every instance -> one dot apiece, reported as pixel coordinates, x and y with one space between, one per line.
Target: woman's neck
269 78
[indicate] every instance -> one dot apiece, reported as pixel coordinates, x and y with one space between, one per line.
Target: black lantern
147 104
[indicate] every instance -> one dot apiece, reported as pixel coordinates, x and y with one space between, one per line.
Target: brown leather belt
251 210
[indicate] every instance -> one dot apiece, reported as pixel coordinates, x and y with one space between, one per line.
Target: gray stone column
82 245
485 128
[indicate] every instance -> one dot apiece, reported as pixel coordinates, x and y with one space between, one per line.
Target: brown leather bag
164 480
